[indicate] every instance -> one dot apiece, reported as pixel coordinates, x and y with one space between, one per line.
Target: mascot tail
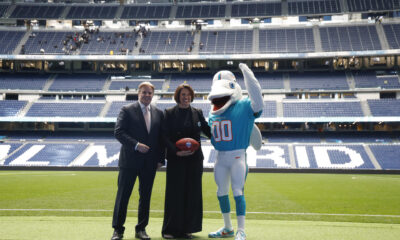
256 138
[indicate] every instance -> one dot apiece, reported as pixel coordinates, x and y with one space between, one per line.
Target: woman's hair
179 89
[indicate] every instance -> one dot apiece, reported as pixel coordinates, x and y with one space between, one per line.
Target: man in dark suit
138 129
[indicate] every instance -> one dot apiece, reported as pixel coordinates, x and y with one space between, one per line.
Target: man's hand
143 148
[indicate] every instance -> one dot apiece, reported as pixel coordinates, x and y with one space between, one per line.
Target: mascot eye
232 85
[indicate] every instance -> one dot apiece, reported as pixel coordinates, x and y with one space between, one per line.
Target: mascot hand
246 70
242 66
253 88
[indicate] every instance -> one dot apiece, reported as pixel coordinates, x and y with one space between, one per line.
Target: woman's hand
184 153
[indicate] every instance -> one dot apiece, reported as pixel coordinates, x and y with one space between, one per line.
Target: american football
185 144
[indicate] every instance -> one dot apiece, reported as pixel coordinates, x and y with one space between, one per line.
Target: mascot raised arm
232 119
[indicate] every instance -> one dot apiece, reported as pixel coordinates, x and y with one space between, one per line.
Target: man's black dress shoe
142 235
117 236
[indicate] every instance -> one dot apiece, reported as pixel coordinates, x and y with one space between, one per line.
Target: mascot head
225 91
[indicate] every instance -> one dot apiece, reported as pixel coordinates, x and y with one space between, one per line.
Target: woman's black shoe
168 236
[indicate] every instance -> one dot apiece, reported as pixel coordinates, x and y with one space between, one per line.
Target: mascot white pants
233 130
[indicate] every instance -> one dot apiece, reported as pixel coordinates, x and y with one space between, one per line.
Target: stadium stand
177 42
384 107
313 7
3 9
10 39
366 5
132 84
332 156
146 12
286 40
78 82
392 32
352 38
11 107
226 42
201 11
23 81
92 12
199 82
49 42
37 11
256 9
322 109
318 80
386 155
369 79
65 109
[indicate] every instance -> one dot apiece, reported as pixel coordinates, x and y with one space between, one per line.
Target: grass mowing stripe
269 196
82 228
247 213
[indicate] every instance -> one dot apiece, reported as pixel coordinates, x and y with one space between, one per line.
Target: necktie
146 115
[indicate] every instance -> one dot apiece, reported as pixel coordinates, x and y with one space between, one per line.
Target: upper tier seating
385 107
92 12
51 42
322 109
105 42
65 109
78 82
368 5
349 38
201 11
256 9
226 42
369 79
9 108
146 12
23 81
9 41
304 7
392 32
286 40
318 80
158 42
37 11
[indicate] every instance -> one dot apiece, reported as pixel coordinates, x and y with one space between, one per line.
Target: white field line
259 213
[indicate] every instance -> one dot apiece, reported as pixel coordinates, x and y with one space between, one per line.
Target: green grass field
78 205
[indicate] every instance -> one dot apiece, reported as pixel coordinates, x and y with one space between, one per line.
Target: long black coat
183 196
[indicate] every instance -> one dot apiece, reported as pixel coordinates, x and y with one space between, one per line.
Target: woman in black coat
183 214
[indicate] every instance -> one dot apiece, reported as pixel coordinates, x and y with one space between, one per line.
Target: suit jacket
172 133
131 129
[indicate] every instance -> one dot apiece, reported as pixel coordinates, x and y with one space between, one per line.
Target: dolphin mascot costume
232 125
